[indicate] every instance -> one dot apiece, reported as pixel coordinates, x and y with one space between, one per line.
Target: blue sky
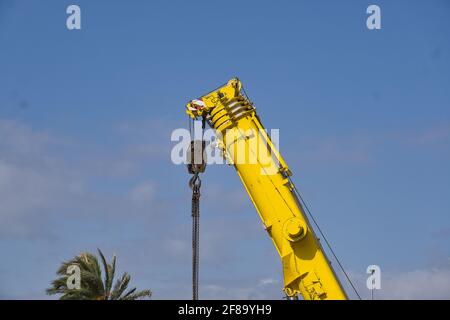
86 118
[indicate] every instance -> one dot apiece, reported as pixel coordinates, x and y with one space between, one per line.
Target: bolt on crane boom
306 268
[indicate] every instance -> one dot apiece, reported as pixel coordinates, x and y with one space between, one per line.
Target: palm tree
92 286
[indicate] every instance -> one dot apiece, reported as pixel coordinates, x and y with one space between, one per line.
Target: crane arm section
266 177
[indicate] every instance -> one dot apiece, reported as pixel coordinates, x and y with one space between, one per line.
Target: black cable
195 183
190 126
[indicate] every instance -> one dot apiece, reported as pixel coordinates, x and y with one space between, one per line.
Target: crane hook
195 182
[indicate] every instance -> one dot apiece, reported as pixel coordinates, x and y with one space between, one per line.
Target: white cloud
433 135
248 289
18 142
31 182
267 281
39 182
22 189
177 247
418 284
151 139
409 285
143 192
432 283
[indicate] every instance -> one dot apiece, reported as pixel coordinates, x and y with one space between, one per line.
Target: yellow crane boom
266 177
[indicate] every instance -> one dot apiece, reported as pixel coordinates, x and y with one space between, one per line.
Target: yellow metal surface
265 175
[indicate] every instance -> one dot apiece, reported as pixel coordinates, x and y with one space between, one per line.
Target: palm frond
120 286
93 285
138 295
